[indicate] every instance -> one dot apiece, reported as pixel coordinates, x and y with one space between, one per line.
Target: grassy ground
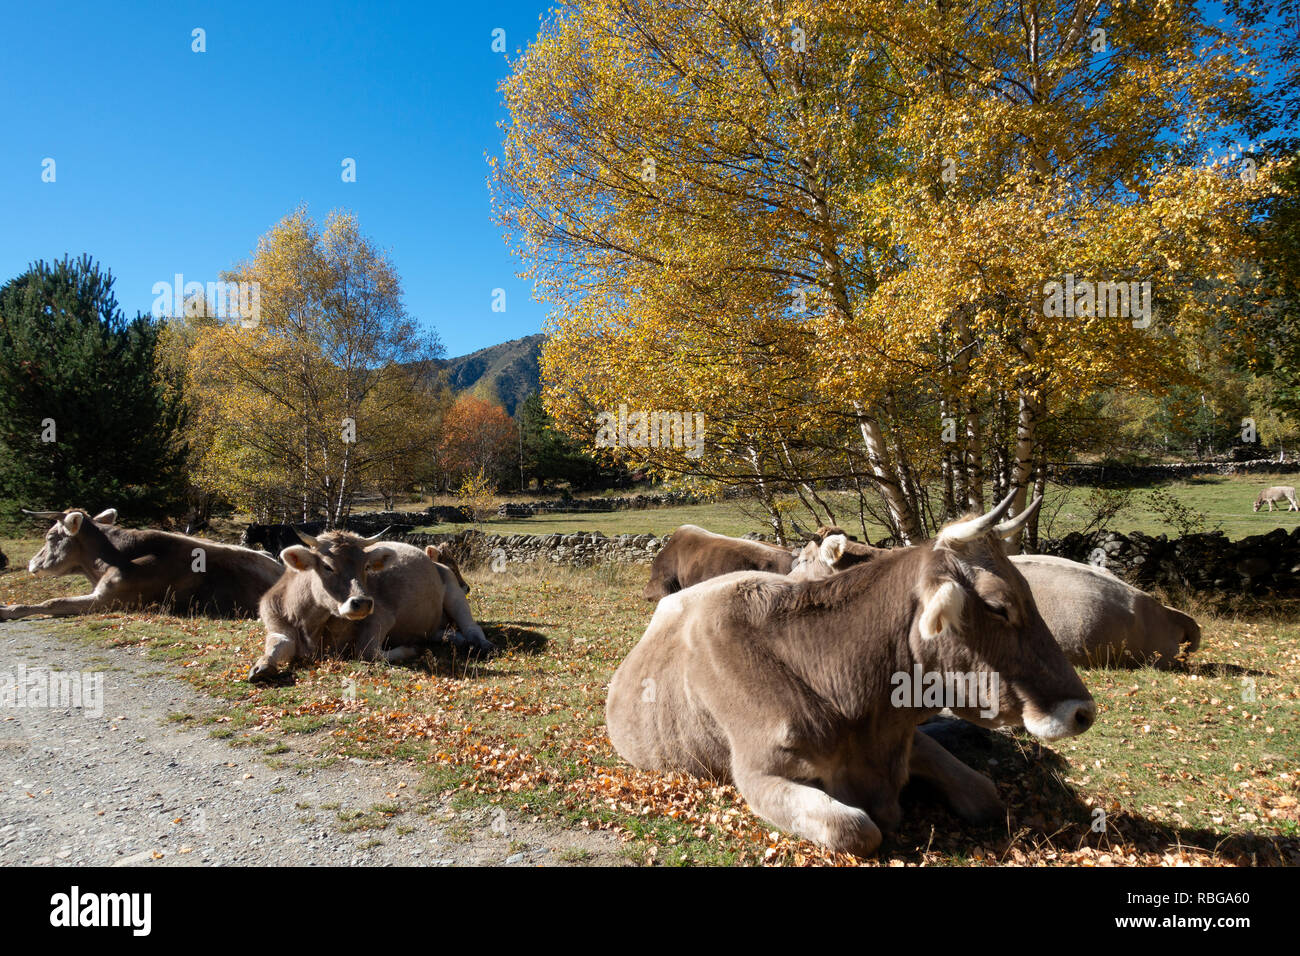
1224 501
1184 766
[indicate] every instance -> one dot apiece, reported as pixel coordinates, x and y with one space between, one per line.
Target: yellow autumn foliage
830 227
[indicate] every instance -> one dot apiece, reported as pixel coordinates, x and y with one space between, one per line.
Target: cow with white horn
134 568
342 593
786 687
1097 619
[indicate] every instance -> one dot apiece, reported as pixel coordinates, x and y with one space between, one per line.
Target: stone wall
1103 474
526 509
276 537
473 549
1262 564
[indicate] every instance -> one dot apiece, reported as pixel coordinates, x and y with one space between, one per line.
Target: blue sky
173 161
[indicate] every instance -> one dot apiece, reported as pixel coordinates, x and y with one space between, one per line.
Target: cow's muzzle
1069 718
357 608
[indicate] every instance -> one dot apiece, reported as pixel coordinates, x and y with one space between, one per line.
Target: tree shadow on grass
1047 818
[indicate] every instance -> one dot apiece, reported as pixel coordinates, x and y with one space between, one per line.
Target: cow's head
978 617
70 543
339 565
1259 501
443 556
822 557
817 561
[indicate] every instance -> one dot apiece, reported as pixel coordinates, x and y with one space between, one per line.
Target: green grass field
1224 501
1195 766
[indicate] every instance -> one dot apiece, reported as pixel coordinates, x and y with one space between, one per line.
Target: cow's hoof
474 646
839 827
983 808
262 672
401 655
853 832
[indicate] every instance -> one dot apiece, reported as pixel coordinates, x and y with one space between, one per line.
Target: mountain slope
506 373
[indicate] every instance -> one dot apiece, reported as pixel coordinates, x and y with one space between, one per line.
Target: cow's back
727 555
237 577
693 555
411 588
650 716
195 575
1097 619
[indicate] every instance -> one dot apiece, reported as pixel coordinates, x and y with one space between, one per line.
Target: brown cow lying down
693 555
1097 619
138 568
784 686
1101 621
349 595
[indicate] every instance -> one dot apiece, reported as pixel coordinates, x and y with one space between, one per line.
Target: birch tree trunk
1022 469
906 527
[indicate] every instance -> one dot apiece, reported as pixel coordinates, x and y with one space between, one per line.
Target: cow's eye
1000 610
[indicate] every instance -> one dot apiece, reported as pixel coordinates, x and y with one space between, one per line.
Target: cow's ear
378 559
72 521
298 558
434 552
107 516
832 548
943 610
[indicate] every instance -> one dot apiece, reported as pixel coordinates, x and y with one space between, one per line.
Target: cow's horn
43 514
1012 526
972 528
306 539
376 537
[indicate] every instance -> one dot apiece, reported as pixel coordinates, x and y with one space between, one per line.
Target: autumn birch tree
325 392
837 221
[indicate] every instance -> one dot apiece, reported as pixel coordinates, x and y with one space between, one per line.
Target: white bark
900 510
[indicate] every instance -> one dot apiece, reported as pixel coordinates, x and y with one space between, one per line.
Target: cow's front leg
371 634
279 653
57 607
807 812
971 795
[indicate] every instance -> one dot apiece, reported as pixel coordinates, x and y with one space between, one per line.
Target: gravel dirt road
133 787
